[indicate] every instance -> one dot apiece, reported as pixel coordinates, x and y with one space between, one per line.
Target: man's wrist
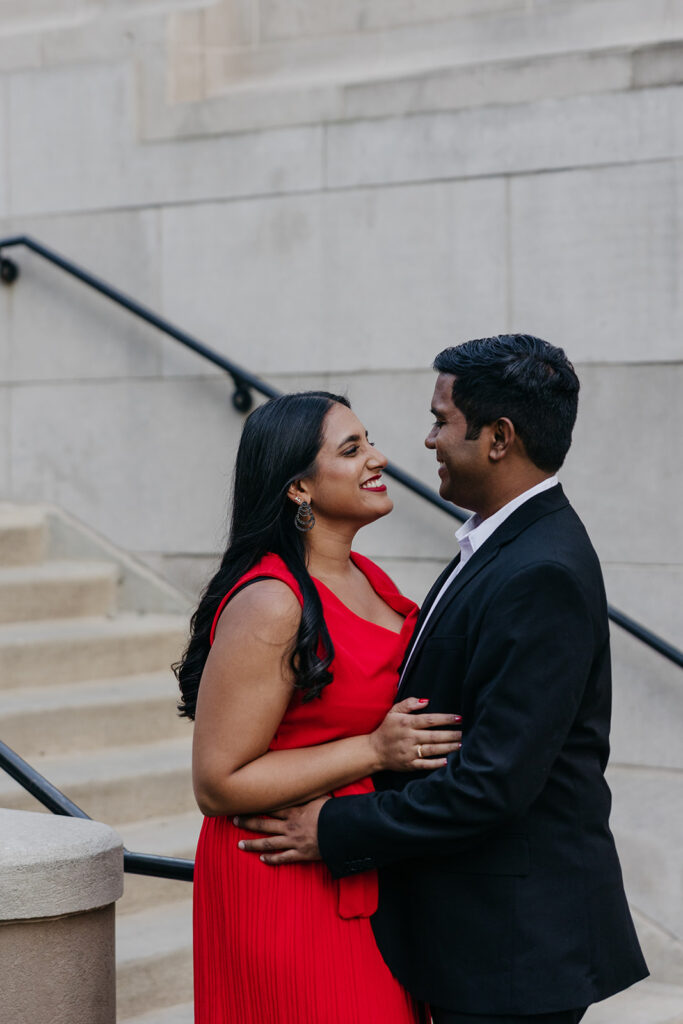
321 830
333 838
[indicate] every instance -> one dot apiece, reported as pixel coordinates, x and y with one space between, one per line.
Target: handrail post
60 880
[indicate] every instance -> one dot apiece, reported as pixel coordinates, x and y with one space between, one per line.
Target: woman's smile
374 484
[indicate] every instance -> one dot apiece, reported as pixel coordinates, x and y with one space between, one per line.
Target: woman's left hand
406 742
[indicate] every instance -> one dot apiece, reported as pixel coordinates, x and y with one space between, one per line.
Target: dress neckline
383 597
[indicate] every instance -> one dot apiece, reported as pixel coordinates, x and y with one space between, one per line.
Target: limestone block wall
330 194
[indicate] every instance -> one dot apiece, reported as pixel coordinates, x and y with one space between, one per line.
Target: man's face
464 466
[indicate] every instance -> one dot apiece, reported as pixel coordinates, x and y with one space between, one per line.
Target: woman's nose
377 458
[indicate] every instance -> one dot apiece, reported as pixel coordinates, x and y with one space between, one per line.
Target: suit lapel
435 590
535 508
475 564
428 602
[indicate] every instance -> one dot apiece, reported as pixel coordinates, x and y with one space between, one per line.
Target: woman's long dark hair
280 443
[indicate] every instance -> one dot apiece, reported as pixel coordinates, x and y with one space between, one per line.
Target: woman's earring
304 520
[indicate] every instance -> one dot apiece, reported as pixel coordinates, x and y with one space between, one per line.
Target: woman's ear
297 493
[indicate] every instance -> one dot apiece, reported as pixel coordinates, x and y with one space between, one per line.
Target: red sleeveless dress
290 944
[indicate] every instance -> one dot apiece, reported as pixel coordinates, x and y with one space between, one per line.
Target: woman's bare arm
246 687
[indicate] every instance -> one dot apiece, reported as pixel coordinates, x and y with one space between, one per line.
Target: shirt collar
472 534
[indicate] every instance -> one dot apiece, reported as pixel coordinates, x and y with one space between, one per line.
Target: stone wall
329 195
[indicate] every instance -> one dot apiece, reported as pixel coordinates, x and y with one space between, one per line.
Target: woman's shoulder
267 608
268 590
272 566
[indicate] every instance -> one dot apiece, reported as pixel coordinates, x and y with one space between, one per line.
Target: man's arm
530 667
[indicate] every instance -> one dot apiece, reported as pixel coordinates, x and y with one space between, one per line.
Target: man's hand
291 834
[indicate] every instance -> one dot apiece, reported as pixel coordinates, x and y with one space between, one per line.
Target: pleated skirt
271 948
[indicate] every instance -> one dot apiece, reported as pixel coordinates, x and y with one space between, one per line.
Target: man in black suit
501 896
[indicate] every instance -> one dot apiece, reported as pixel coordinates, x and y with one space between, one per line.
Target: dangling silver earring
304 520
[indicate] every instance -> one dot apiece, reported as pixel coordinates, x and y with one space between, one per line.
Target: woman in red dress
297 643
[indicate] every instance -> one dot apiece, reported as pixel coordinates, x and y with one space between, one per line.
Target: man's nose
429 440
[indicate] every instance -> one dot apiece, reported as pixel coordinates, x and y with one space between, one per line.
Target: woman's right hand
406 742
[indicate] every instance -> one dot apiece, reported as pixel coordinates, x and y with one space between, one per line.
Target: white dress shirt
471 535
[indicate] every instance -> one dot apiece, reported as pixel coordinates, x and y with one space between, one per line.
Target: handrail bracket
9 270
242 396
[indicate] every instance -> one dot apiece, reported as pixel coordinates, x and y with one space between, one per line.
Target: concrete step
66 717
89 699
57 590
154 959
74 650
183 1014
645 1003
647 821
117 784
23 535
171 837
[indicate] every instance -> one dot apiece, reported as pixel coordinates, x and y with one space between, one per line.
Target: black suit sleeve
529 669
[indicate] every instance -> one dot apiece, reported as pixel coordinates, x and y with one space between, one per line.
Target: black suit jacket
500 887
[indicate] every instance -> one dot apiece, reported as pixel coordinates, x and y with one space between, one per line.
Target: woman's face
347 485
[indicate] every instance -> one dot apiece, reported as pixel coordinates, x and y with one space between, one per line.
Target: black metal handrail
52 798
242 379
245 381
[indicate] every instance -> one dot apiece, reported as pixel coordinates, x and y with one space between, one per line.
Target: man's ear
503 436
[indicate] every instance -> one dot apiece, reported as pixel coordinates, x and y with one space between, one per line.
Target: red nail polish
457 718
423 700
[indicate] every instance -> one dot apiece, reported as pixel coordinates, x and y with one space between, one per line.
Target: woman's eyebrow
351 437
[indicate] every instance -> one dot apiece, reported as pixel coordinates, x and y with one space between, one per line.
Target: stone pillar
59 879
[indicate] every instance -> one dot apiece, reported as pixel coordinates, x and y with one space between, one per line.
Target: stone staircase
87 636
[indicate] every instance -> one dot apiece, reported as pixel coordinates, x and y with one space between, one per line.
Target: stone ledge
51 866
209 78
387 87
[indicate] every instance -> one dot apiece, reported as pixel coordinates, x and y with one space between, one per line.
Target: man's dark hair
520 377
